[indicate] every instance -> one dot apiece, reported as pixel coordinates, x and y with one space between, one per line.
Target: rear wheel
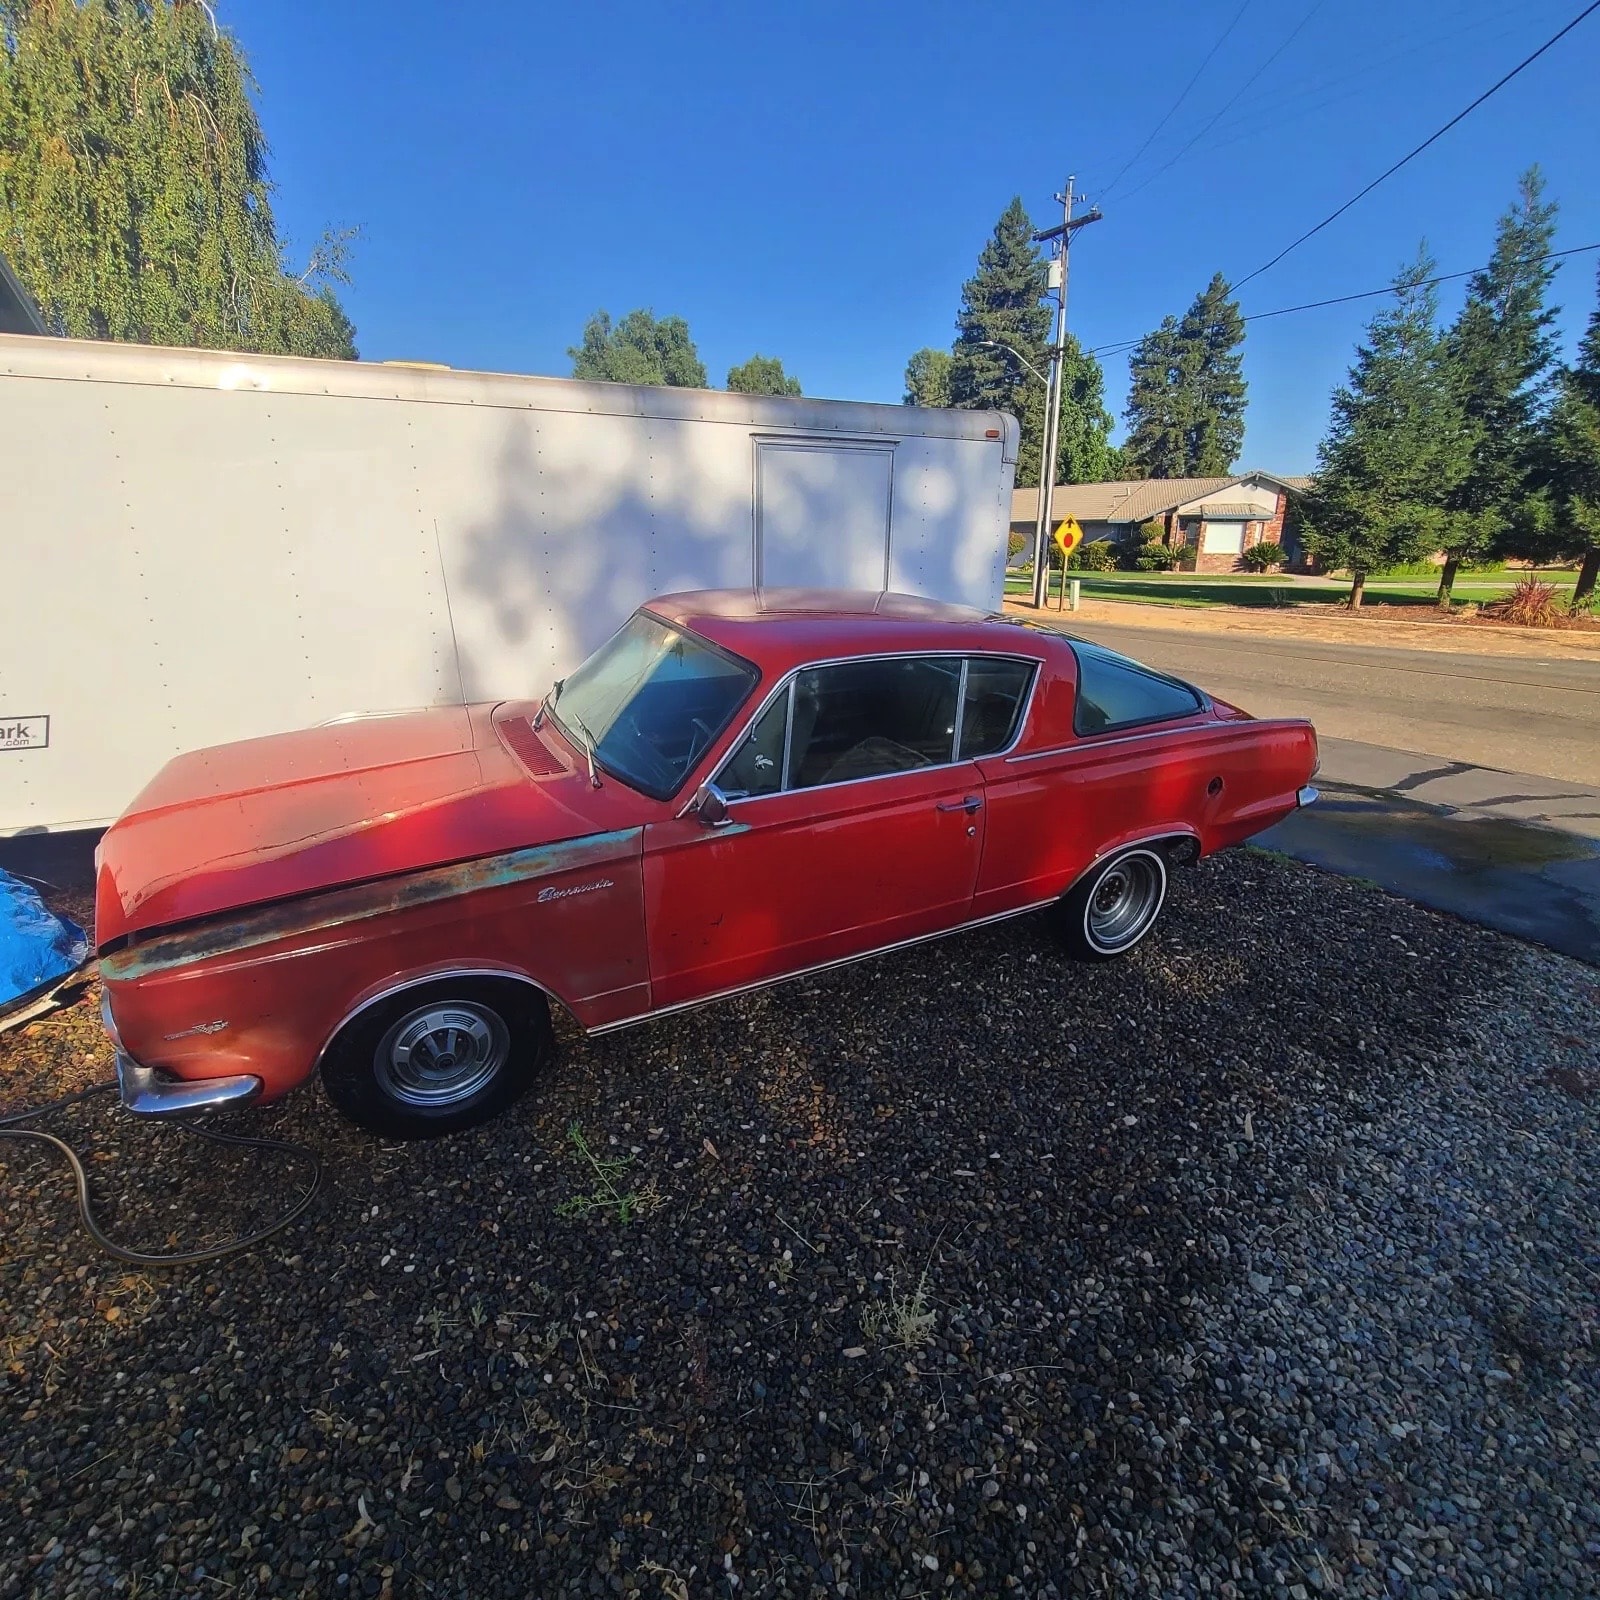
1114 905
439 1057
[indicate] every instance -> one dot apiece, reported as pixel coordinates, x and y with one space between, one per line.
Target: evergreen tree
1210 336
1157 412
134 197
1560 520
928 378
1501 353
639 349
1186 398
762 375
1004 304
1395 446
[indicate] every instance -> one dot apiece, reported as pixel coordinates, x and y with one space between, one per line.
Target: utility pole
1052 404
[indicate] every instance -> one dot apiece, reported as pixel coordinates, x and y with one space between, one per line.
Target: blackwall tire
1114 905
439 1057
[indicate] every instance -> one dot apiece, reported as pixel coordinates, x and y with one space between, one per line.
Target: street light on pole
1017 355
1052 416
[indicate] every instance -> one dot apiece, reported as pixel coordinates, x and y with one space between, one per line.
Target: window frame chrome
787 685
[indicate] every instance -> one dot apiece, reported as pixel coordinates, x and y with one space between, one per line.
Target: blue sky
815 180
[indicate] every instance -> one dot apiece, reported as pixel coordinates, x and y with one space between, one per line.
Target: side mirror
711 806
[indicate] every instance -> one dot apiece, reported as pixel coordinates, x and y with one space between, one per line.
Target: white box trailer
202 546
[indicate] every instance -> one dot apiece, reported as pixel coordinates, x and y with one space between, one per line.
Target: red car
737 788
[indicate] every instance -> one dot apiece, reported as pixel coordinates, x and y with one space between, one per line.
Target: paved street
1417 748
1517 715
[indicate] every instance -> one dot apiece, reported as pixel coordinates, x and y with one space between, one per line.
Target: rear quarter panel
1052 814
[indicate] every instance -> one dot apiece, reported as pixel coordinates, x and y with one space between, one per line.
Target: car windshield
650 702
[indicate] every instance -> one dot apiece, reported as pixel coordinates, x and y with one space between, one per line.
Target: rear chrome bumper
147 1092
1305 797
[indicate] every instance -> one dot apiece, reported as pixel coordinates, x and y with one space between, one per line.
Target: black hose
145 1258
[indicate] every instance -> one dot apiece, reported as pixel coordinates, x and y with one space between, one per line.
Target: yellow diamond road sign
1068 536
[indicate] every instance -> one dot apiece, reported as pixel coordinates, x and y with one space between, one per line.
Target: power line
1118 346
1183 94
1433 138
1227 105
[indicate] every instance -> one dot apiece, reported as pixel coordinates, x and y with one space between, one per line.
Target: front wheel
1114 905
439 1057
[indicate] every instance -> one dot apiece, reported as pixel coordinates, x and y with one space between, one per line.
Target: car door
851 826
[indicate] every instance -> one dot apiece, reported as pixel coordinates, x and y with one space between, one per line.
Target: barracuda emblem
199 1027
552 893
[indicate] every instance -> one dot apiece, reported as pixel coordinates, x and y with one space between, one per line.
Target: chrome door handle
969 805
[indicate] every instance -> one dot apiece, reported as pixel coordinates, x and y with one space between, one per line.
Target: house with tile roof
1212 521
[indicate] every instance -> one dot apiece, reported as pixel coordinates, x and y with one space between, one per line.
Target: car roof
781 628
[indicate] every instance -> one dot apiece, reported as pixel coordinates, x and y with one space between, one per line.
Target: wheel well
421 980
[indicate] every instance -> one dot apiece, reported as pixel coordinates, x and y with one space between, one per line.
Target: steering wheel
664 769
698 747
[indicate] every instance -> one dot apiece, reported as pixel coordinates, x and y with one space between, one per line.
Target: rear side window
1114 692
996 689
862 719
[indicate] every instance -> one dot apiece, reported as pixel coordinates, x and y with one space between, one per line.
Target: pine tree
1211 335
1157 412
639 349
134 197
1186 398
928 378
762 375
1560 519
1395 446
1002 304
1501 354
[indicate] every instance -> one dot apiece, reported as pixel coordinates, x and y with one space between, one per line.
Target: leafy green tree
762 375
1395 445
134 197
1084 452
1186 397
1560 519
928 378
639 349
1501 354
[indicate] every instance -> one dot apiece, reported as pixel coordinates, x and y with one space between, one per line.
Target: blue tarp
37 948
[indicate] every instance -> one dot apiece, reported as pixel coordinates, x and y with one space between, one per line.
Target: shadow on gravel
953 1272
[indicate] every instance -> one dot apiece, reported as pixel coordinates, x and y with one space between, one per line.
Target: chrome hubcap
440 1055
1125 902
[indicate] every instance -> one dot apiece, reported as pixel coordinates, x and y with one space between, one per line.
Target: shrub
1259 557
1408 569
1155 558
1531 604
1015 545
1096 557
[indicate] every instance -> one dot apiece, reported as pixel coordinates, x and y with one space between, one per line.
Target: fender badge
553 893
199 1027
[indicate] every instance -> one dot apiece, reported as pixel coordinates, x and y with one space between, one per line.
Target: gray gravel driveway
1262 1263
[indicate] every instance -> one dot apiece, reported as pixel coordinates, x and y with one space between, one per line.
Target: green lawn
1247 589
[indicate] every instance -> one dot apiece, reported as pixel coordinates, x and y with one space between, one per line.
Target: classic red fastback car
737 788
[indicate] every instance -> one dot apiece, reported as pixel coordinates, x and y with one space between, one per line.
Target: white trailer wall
213 546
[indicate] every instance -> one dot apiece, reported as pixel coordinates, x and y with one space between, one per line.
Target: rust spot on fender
337 907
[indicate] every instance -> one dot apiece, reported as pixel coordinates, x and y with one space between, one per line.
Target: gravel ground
1262 1263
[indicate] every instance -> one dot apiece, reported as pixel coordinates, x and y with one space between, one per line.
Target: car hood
268 819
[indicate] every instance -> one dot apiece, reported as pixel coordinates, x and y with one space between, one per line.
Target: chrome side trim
789 678
825 966
229 932
1091 742
1306 797
148 1093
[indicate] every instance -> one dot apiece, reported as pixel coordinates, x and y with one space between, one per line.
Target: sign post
1067 537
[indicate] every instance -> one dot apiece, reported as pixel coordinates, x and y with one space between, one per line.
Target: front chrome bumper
1305 797
147 1092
